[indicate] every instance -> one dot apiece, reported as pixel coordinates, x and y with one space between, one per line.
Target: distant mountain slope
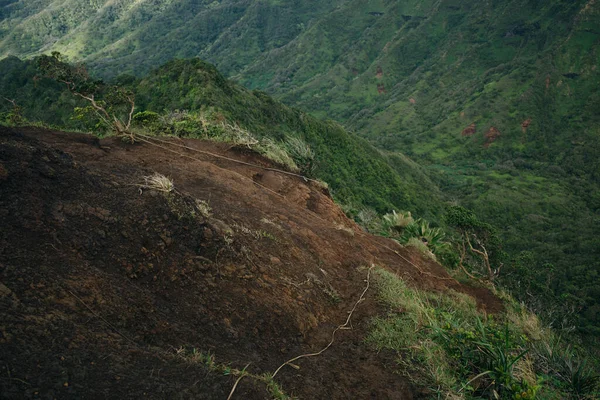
134 35
399 73
410 76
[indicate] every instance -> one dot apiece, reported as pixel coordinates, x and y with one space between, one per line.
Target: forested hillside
498 101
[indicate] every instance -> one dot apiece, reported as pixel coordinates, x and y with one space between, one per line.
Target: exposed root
340 327
242 375
111 326
269 378
226 158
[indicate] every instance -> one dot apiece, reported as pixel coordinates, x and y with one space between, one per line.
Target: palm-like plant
582 380
432 237
397 221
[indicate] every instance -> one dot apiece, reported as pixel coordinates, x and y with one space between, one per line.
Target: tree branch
463 253
130 116
11 101
484 255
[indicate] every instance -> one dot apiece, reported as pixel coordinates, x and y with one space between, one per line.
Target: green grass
450 349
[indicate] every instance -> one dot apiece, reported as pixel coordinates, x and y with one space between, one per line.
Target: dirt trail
102 281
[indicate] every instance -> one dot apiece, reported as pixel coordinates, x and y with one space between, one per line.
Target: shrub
181 123
14 116
146 119
277 152
369 219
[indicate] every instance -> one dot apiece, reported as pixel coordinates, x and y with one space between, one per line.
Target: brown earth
470 130
491 136
105 285
525 124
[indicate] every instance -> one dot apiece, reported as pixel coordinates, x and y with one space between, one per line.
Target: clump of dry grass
527 322
158 182
397 221
204 208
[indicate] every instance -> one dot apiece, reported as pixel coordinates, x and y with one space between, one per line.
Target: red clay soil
525 124
102 281
469 130
491 136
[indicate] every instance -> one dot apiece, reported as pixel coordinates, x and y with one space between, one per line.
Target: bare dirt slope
105 286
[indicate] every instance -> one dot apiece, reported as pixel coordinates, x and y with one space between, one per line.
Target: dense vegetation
497 102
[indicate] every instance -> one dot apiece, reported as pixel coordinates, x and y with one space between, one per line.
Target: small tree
112 105
478 244
15 116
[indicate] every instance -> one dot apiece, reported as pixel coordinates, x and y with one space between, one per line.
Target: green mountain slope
498 100
356 171
135 36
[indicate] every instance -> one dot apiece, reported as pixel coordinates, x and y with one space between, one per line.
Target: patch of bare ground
103 280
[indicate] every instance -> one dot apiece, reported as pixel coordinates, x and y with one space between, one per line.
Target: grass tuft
159 183
422 247
204 208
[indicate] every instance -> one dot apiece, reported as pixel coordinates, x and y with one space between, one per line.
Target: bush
146 119
369 219
302 154
277 152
